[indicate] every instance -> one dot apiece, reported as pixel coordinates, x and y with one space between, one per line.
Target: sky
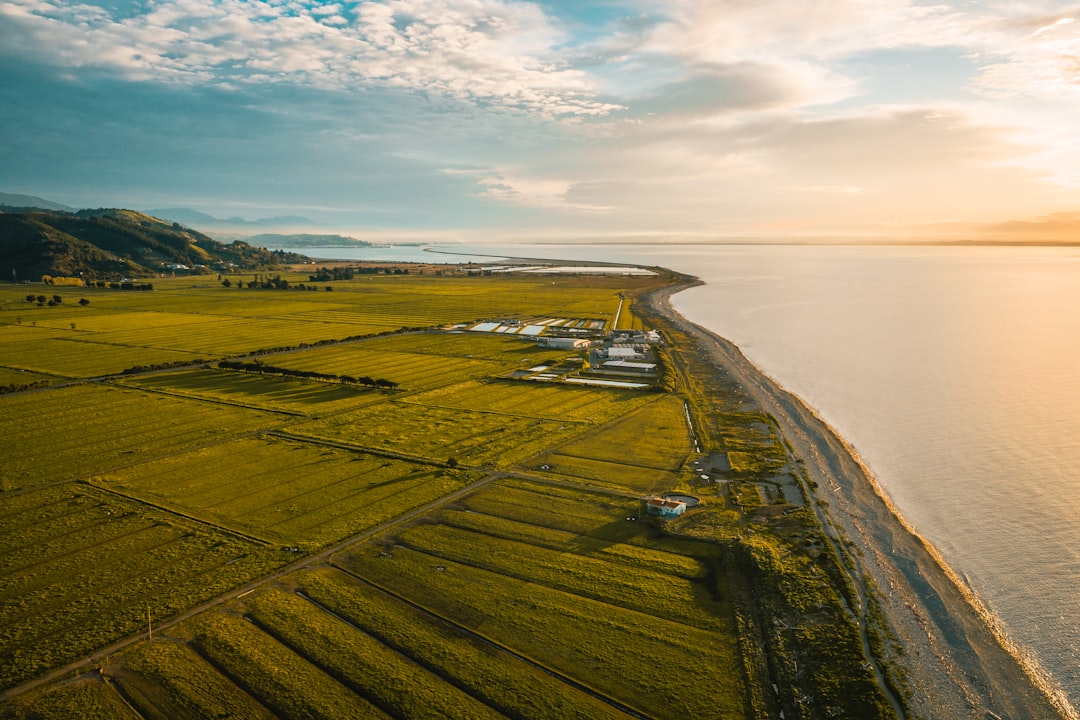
473 120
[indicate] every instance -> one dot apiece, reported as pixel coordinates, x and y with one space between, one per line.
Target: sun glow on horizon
687 118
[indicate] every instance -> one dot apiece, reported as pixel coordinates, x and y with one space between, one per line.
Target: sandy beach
956 663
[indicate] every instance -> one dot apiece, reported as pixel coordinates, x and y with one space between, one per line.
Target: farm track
613 492
321 558
547 418
633 712
200 398
419 459
192 518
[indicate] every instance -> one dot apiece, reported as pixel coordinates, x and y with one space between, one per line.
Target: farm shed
626 350
664 507
564 343
630 365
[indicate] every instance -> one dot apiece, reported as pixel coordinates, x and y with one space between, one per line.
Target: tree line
347 273
53 301
258 367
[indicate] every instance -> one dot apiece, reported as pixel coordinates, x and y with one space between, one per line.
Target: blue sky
503 120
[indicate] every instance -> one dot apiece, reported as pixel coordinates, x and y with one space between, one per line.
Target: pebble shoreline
957 662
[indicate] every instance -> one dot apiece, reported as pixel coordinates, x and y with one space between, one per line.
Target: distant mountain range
234 228
194 218
239 228
12 201
301 240
110 243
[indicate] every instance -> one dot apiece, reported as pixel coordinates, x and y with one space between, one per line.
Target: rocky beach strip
955 661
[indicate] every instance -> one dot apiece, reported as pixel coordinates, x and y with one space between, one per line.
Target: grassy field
166 679
651 591
508 351
388 679
499 679
618 454
411 370
72 432
81 567
79 357
514 595
588 602
439 434
285 492
87 698
284 682
334 648
9 376
661 666
536 400
262 391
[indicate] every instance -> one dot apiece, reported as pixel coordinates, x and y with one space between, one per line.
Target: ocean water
954 373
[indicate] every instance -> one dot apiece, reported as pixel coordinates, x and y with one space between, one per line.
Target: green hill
115 243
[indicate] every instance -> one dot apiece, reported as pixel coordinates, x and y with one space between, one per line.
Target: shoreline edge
958 659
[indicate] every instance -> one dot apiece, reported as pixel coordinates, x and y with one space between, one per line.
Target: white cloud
486 51
1032 55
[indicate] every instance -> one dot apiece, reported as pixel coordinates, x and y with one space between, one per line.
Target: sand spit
956 661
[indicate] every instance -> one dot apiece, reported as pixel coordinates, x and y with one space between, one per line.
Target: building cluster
616 358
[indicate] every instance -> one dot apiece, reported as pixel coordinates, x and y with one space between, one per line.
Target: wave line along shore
957 660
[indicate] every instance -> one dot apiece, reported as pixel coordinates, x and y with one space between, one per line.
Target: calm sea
954 372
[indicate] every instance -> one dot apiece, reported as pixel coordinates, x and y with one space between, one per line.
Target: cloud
767 173
486 52
1032 54
704 116
714 90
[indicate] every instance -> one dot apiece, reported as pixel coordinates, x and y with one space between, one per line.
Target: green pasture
412 371
663 667
627 319
395 317
283 491
458 298
342 647
559 508
439 434
537 400
82 568
413 300
9 376
656 436
77 357
628 551
310 397
498 679
284 682
87 698
656 592
97 321
166 679
391 681
238 335
605 473
596 518
72 432
508 351
641 451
